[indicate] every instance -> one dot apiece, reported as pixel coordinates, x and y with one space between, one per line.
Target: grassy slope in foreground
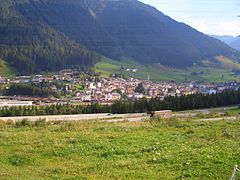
142 150
5 70
159 73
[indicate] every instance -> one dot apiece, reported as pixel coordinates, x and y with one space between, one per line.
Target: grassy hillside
161 73
227 62
143 150
6 70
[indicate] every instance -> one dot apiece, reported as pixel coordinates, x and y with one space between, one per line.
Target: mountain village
87 89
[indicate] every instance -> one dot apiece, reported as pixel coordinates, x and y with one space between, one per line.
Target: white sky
218 17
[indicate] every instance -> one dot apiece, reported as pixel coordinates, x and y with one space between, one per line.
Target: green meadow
161 73
154 149
6 70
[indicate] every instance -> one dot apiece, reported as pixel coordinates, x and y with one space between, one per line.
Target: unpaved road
133 119
193 113
219 119
104 117
83 117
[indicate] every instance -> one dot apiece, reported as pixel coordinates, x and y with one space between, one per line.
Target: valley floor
160 149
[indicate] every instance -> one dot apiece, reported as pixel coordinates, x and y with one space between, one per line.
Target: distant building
138 95
211 91
116 96
15 103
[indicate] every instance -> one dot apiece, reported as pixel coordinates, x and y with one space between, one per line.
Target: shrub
230 113
68 126
172 122
200 115
2 123
227 133
190 131
23 123
10 122
41 122
18 160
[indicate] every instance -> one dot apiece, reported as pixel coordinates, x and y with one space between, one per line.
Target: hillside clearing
5 70
158 72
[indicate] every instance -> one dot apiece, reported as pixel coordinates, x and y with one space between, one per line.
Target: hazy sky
219 17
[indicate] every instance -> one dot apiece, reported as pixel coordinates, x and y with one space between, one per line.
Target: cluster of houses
95 89
112 89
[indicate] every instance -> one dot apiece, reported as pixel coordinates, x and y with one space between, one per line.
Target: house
86 98
2 80
211 91
138 95
116 96
112 97
37 79
108 97
15 103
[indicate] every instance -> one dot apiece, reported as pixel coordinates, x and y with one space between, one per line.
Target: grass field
5 70
142 150
233 111
160 73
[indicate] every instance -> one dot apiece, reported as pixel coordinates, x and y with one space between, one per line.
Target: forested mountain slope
37 35
29 44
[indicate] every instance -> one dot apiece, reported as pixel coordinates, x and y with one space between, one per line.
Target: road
83 117
132 119
193 113
104 117
219 119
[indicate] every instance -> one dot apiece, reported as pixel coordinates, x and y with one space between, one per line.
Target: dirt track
83 117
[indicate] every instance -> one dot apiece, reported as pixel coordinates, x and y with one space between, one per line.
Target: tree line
176 103
29 90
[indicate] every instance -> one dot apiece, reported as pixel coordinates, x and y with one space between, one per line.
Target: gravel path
82 117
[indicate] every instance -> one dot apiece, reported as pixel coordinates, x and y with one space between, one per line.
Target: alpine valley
49 35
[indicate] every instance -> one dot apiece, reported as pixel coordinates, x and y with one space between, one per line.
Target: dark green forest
30 45
48 35
29 90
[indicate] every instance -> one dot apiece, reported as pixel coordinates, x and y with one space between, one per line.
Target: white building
15 103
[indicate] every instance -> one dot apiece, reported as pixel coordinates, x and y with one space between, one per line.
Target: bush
10 122
2 123
227 133
210 115
41 122
68 127
172 122
200 115
18 160
230 113
23 123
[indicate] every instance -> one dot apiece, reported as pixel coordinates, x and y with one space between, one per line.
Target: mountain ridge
232 41
39 35
190 44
